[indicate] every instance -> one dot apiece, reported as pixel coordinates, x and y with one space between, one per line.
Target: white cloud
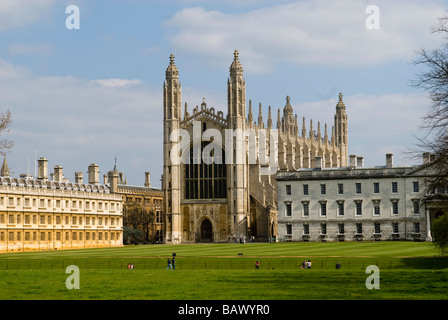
117 83
73 122
14 13
306 32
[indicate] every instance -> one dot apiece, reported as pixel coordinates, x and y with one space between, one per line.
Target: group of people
305 264
130 266
171 264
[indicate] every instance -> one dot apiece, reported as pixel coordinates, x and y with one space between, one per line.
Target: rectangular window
358 207
306 229
395 207
376 187
306 208
323 208
288 209
288 190
358 188
305 189
376 207
323 228
340 208
415 187
416 207
395 227
359 228
416 227
288 229
323 189
341 228
377 227
340 188
394 187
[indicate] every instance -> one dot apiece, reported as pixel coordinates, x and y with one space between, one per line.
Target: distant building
228 199
149 198
52 214
354 203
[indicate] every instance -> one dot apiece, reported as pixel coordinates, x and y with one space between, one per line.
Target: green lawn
408 270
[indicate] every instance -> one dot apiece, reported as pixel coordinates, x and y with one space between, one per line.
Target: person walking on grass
169 264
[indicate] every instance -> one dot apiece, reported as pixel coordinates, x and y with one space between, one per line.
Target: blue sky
85 96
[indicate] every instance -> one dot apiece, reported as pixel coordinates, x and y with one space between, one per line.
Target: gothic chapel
226 202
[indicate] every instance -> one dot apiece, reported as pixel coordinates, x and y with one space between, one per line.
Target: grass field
408 270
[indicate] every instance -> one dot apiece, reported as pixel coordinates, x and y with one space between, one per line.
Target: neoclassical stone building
234 196
355 203
45 213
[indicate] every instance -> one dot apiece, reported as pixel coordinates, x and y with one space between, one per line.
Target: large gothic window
205 181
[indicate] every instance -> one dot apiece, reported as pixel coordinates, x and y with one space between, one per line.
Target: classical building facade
229 197
52 214
354 203
148 198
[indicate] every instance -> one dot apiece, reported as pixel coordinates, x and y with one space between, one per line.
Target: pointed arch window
205 181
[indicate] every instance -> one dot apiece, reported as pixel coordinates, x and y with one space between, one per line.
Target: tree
434 80
440 232
135 216
5 122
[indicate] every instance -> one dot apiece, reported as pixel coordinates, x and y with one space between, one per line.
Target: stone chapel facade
226 201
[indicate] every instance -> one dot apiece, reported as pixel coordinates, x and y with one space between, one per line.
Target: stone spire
186 114
303 128
311 130
269 118
5 170
288 116
236 67
279 121
250 116
171 70
319 136
260 117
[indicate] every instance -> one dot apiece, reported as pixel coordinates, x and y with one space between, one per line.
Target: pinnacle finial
171 58
235 54
340 96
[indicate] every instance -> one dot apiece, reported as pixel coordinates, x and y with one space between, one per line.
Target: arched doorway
206 232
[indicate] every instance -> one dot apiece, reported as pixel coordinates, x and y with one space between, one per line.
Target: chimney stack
94 174
352 161
389 160
42 173
147 180
113 180
360 162
58 176
78 177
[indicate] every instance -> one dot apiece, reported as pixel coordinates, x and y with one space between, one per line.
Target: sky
93 94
